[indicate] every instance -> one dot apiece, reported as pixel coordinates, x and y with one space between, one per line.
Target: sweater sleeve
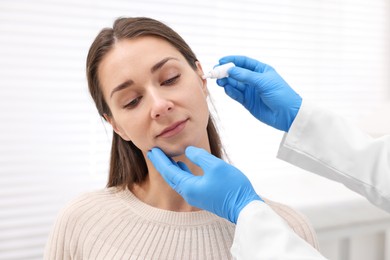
57 246
296 221
328 145
64 236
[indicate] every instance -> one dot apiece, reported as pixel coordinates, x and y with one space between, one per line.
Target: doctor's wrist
242 205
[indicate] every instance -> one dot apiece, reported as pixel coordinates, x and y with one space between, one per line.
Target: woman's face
156 98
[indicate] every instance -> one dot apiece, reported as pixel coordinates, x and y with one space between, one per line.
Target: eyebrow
121 86
161 63
129 82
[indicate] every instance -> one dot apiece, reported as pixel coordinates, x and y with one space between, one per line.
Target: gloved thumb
201 158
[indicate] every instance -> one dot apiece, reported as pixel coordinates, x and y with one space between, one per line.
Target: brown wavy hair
127 163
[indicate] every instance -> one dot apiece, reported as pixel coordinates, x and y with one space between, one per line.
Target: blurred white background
53 145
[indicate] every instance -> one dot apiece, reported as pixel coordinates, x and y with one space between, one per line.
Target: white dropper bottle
219 72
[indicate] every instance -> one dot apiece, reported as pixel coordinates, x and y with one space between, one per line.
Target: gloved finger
247 77
201 158
169 170
232 88
222 82
245 62
233 83
234 93
162 164
183 166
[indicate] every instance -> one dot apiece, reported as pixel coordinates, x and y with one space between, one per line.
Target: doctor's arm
227 192
316 139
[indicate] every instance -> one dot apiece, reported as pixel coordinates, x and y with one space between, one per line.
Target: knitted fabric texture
114 224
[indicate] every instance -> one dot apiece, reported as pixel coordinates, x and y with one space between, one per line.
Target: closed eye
171 81
133 103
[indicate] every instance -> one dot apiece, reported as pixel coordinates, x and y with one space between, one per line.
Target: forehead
145 48
138 53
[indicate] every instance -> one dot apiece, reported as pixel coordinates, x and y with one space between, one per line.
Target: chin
173 151
178 148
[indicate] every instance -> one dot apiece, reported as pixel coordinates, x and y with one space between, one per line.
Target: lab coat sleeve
262 234
326 144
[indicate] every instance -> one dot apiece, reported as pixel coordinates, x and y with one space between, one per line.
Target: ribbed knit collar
145 211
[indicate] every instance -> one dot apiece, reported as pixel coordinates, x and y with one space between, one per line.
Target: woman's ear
117 129
200 73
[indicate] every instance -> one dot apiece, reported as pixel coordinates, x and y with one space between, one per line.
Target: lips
173 129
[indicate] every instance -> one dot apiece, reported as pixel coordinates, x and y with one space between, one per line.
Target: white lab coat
326 144
262 234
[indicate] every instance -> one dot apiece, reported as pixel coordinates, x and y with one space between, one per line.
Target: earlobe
108 119
115 127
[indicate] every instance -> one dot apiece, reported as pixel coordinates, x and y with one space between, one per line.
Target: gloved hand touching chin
222 190
260 89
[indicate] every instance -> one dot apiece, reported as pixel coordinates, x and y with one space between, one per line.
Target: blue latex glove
260 89
222 190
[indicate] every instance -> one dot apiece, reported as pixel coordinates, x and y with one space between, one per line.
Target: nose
160 106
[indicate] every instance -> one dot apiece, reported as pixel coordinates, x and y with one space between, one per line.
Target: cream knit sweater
114 224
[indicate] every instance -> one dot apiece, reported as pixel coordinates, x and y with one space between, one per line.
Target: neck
156 192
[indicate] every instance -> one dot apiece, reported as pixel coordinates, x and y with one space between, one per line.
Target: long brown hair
127 164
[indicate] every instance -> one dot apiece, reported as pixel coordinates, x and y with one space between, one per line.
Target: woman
147 83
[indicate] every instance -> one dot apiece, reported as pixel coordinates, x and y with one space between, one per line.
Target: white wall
53 145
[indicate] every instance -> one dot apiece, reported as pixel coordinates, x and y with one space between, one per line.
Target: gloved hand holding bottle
262 91
223 189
